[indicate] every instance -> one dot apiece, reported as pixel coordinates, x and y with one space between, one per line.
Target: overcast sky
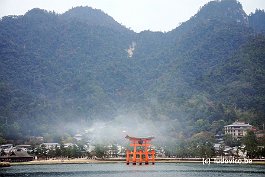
139 15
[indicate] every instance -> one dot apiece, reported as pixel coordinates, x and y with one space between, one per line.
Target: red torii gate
138 155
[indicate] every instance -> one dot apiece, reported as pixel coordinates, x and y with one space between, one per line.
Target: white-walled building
237 129
50 145
6 147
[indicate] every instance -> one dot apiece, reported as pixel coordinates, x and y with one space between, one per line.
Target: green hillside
82 66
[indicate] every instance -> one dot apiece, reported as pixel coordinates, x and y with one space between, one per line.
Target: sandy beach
62 161
114 160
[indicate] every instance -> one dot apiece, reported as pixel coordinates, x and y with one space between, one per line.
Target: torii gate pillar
142 153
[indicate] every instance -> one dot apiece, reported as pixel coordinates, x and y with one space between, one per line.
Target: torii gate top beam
139 139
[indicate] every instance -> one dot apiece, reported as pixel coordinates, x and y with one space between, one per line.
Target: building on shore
15 156
260 133
237 129
50 145
24 147
19 153
6 148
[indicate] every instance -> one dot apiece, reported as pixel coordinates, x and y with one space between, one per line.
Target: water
122 170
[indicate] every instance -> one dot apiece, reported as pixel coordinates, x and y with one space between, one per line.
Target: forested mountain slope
83 66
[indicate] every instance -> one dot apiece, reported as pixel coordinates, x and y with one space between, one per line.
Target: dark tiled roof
17 154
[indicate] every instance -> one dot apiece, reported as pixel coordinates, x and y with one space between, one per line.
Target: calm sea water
122 170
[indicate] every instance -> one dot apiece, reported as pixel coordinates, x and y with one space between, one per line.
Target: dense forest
83 66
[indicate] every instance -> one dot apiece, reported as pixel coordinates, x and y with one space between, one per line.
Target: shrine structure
141 151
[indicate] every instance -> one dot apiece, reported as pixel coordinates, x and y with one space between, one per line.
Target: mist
133 123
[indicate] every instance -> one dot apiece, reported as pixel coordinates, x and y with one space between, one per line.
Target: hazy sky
155 15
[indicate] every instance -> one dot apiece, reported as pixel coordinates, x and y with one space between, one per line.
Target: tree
199 145
3 152
42 151
230 141
201 125
217 126
250 141
63 150
51 153
2 140
58 151
100 151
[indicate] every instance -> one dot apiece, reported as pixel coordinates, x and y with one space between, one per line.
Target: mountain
228 11
243 75
82 66
256 21
199 47
92 17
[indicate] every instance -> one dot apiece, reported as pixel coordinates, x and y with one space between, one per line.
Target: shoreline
100 161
